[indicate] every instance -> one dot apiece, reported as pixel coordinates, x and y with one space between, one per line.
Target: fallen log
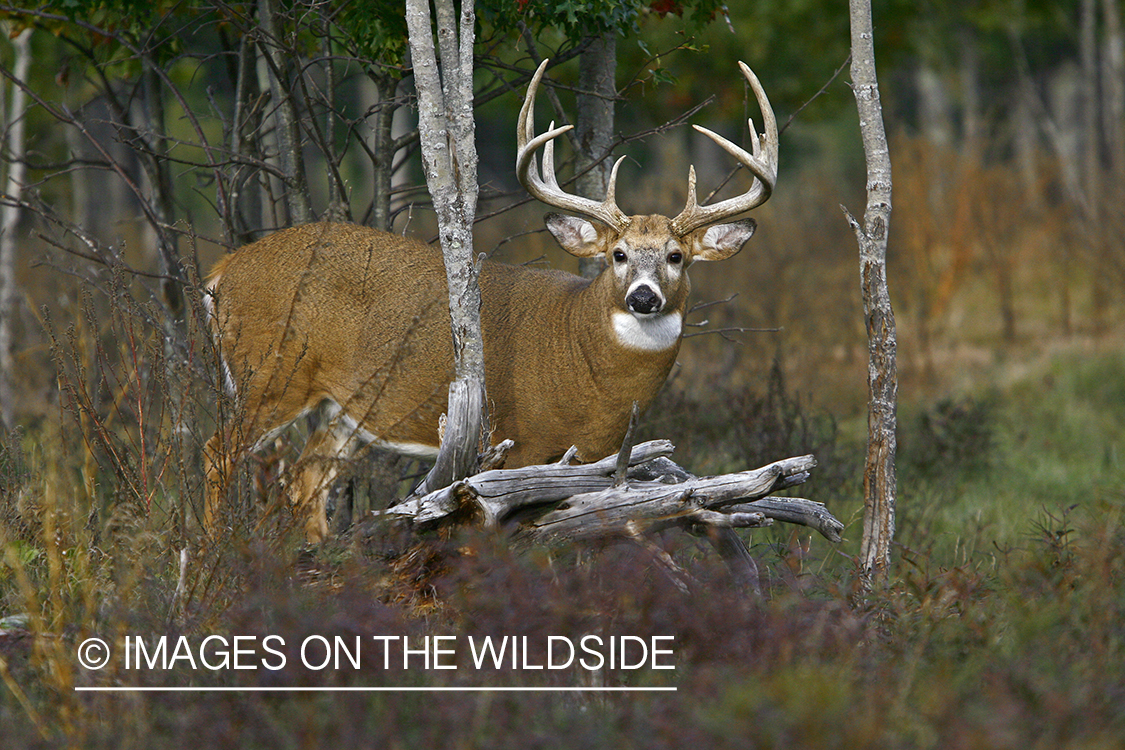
559 503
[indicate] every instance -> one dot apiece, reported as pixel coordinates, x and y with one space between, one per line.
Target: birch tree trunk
13 153
449 158
882 378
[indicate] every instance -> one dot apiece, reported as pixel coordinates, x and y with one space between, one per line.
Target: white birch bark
13 152
879 488
449 158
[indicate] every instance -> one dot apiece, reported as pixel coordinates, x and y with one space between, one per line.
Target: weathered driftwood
640 507
736 555
557 503
500 492
461 434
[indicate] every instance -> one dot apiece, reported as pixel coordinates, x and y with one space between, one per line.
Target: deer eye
619 256
676 257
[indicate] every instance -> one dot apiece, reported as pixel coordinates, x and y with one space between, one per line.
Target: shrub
953 436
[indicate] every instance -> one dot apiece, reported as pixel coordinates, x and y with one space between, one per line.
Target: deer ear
577 236
721 241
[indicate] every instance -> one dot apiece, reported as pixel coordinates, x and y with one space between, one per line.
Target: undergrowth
1001 626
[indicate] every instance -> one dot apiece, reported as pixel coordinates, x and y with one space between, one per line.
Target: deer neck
624 333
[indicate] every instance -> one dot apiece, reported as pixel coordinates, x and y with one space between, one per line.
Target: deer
353 324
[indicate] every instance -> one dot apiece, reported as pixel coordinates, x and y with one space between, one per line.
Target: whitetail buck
354 322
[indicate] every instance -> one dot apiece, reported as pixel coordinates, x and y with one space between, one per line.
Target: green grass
1054 443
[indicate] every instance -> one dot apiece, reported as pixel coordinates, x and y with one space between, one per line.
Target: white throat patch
652 333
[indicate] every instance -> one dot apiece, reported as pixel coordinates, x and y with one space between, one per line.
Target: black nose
643 300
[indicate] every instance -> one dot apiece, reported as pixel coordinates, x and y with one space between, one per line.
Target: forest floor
1002 624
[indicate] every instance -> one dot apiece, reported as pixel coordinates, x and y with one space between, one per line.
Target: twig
626 447
724 331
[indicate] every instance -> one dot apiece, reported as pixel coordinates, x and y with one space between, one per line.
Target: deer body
355 323
558 374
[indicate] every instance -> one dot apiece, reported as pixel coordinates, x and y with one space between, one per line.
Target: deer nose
643 300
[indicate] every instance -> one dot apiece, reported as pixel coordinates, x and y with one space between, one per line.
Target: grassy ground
1003 624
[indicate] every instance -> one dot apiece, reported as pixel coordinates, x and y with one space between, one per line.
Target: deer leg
316 470
229 444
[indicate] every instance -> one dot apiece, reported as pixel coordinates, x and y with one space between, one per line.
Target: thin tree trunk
879 488
593 126
13 153
1026 128
1113 87
971 129
246 210
384 148
935 109
1090 138
84 211
156 166
338 207
297 204
1026 135
449 158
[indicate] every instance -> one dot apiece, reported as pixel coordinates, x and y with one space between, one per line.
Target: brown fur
344 314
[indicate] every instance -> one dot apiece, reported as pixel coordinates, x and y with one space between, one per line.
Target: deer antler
546 187
762 163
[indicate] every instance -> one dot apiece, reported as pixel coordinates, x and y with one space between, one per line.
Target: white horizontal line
439 689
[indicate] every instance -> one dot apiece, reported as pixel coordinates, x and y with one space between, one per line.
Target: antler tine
611 188
761 161
549 174
545 186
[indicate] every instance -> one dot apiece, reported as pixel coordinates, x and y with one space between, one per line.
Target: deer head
647 255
